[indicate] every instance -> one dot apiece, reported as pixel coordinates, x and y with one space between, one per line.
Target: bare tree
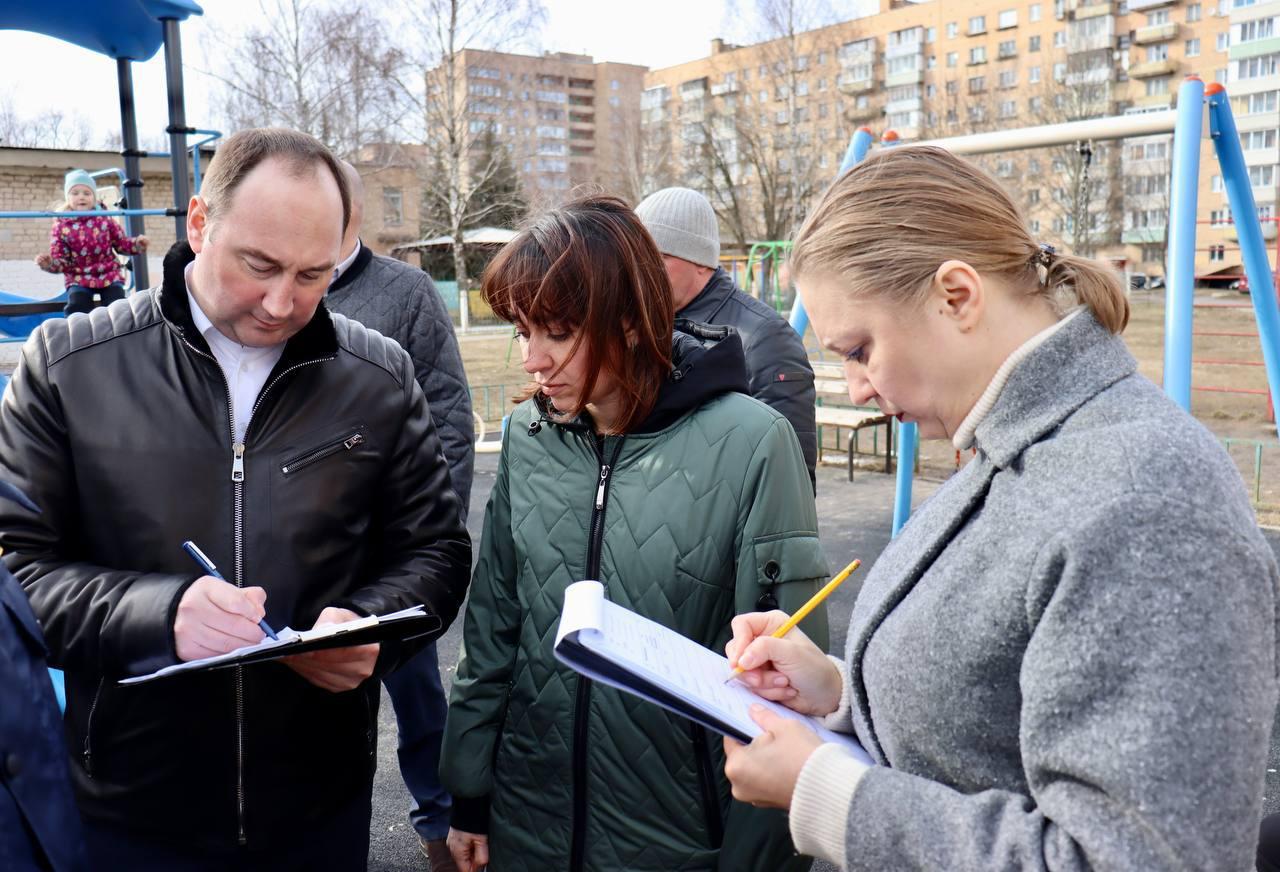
331 72
52 128
644 143
439 31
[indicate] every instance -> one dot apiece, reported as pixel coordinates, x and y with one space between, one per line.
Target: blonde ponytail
1093 285
886 225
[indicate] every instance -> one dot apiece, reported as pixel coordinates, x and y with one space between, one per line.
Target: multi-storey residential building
565 119
761 128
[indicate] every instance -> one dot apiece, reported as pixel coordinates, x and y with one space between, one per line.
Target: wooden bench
829 382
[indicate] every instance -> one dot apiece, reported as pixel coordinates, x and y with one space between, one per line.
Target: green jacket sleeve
478 700
779 555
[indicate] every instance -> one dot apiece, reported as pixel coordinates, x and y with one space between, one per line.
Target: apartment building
565 118
751 125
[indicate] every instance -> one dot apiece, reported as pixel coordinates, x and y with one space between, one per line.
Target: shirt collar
346 263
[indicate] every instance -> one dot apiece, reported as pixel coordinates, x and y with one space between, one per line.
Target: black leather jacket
118 425
778 369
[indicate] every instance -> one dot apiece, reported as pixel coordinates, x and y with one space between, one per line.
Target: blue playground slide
17 318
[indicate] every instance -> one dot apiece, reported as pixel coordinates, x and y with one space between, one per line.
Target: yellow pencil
803 611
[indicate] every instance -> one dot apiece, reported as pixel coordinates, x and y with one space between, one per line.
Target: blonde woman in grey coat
1067 658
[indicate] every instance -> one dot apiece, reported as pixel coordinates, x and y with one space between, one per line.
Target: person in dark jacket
229 407
637 461
402 303
39 825
683 224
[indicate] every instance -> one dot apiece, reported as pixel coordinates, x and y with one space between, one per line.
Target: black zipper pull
604 477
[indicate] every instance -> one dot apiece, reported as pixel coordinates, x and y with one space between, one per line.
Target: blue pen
209 569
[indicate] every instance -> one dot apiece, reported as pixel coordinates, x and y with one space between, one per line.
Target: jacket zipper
88 729
317 454
707 785
237 490
582 699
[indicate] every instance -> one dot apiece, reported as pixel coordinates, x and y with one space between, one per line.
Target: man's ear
959 294
197 223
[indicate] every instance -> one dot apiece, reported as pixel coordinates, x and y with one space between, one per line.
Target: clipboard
628 652
406 625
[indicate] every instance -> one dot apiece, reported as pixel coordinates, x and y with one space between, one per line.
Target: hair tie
1042 260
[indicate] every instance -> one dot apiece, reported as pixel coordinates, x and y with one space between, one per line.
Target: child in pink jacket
84 249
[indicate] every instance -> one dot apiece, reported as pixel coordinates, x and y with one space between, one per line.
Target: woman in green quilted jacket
638 460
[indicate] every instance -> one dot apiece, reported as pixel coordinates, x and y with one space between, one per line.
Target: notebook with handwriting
617 647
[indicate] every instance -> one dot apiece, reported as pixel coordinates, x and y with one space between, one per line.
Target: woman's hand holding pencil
781 663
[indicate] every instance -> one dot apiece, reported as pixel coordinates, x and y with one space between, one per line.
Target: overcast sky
39 71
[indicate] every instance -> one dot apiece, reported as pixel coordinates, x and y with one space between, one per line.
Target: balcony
724 88
1253 48
906 77
912 104
1140 5
1143 235
1151 102
1155 33
1268 231
903 50
1148 69
856 86
856 115
1093 8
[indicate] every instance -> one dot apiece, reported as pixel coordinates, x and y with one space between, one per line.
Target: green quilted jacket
704 512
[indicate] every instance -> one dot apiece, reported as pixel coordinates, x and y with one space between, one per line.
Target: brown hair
896 217
243 150
591 267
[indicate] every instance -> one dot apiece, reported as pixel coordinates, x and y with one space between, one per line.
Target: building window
1033 44
1059 72
1217 253
1035 226
802 63
1193 12
1262 176
978 55
1160 16
1158 52
1007 18
1157 86
1059 39
1215 184
1263 28
1033 12
1224 42
392 207
1033 196
977 25
953 58
1192 48
1152 254
1004 168
822 57
953 30
977 84
1008 109
1033 75
1007 49
953 87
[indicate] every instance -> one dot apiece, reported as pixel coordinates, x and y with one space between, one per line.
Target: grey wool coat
401 302
1067 659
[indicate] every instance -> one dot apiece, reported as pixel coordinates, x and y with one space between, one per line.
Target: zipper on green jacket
582 700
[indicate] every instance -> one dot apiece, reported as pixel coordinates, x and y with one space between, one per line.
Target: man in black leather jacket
229 407
683 224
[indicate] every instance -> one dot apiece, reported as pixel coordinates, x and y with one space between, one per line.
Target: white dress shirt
346 263
245 368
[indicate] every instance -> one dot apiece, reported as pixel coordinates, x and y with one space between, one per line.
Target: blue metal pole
908 434
92 214
1235 176
859 144
1180 267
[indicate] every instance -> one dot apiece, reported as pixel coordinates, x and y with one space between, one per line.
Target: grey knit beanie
683 224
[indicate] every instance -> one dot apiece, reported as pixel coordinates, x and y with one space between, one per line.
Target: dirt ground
493 367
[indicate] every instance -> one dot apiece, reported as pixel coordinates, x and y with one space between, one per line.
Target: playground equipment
1185 123
126 31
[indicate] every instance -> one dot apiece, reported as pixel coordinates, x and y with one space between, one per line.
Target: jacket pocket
781 558
347 442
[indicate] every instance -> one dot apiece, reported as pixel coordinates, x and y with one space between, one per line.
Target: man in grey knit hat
684 226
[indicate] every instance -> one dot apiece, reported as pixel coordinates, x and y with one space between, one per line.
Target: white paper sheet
678 665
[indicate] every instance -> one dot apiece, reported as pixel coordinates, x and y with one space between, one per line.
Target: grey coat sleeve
1148 686
782 378
437 366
